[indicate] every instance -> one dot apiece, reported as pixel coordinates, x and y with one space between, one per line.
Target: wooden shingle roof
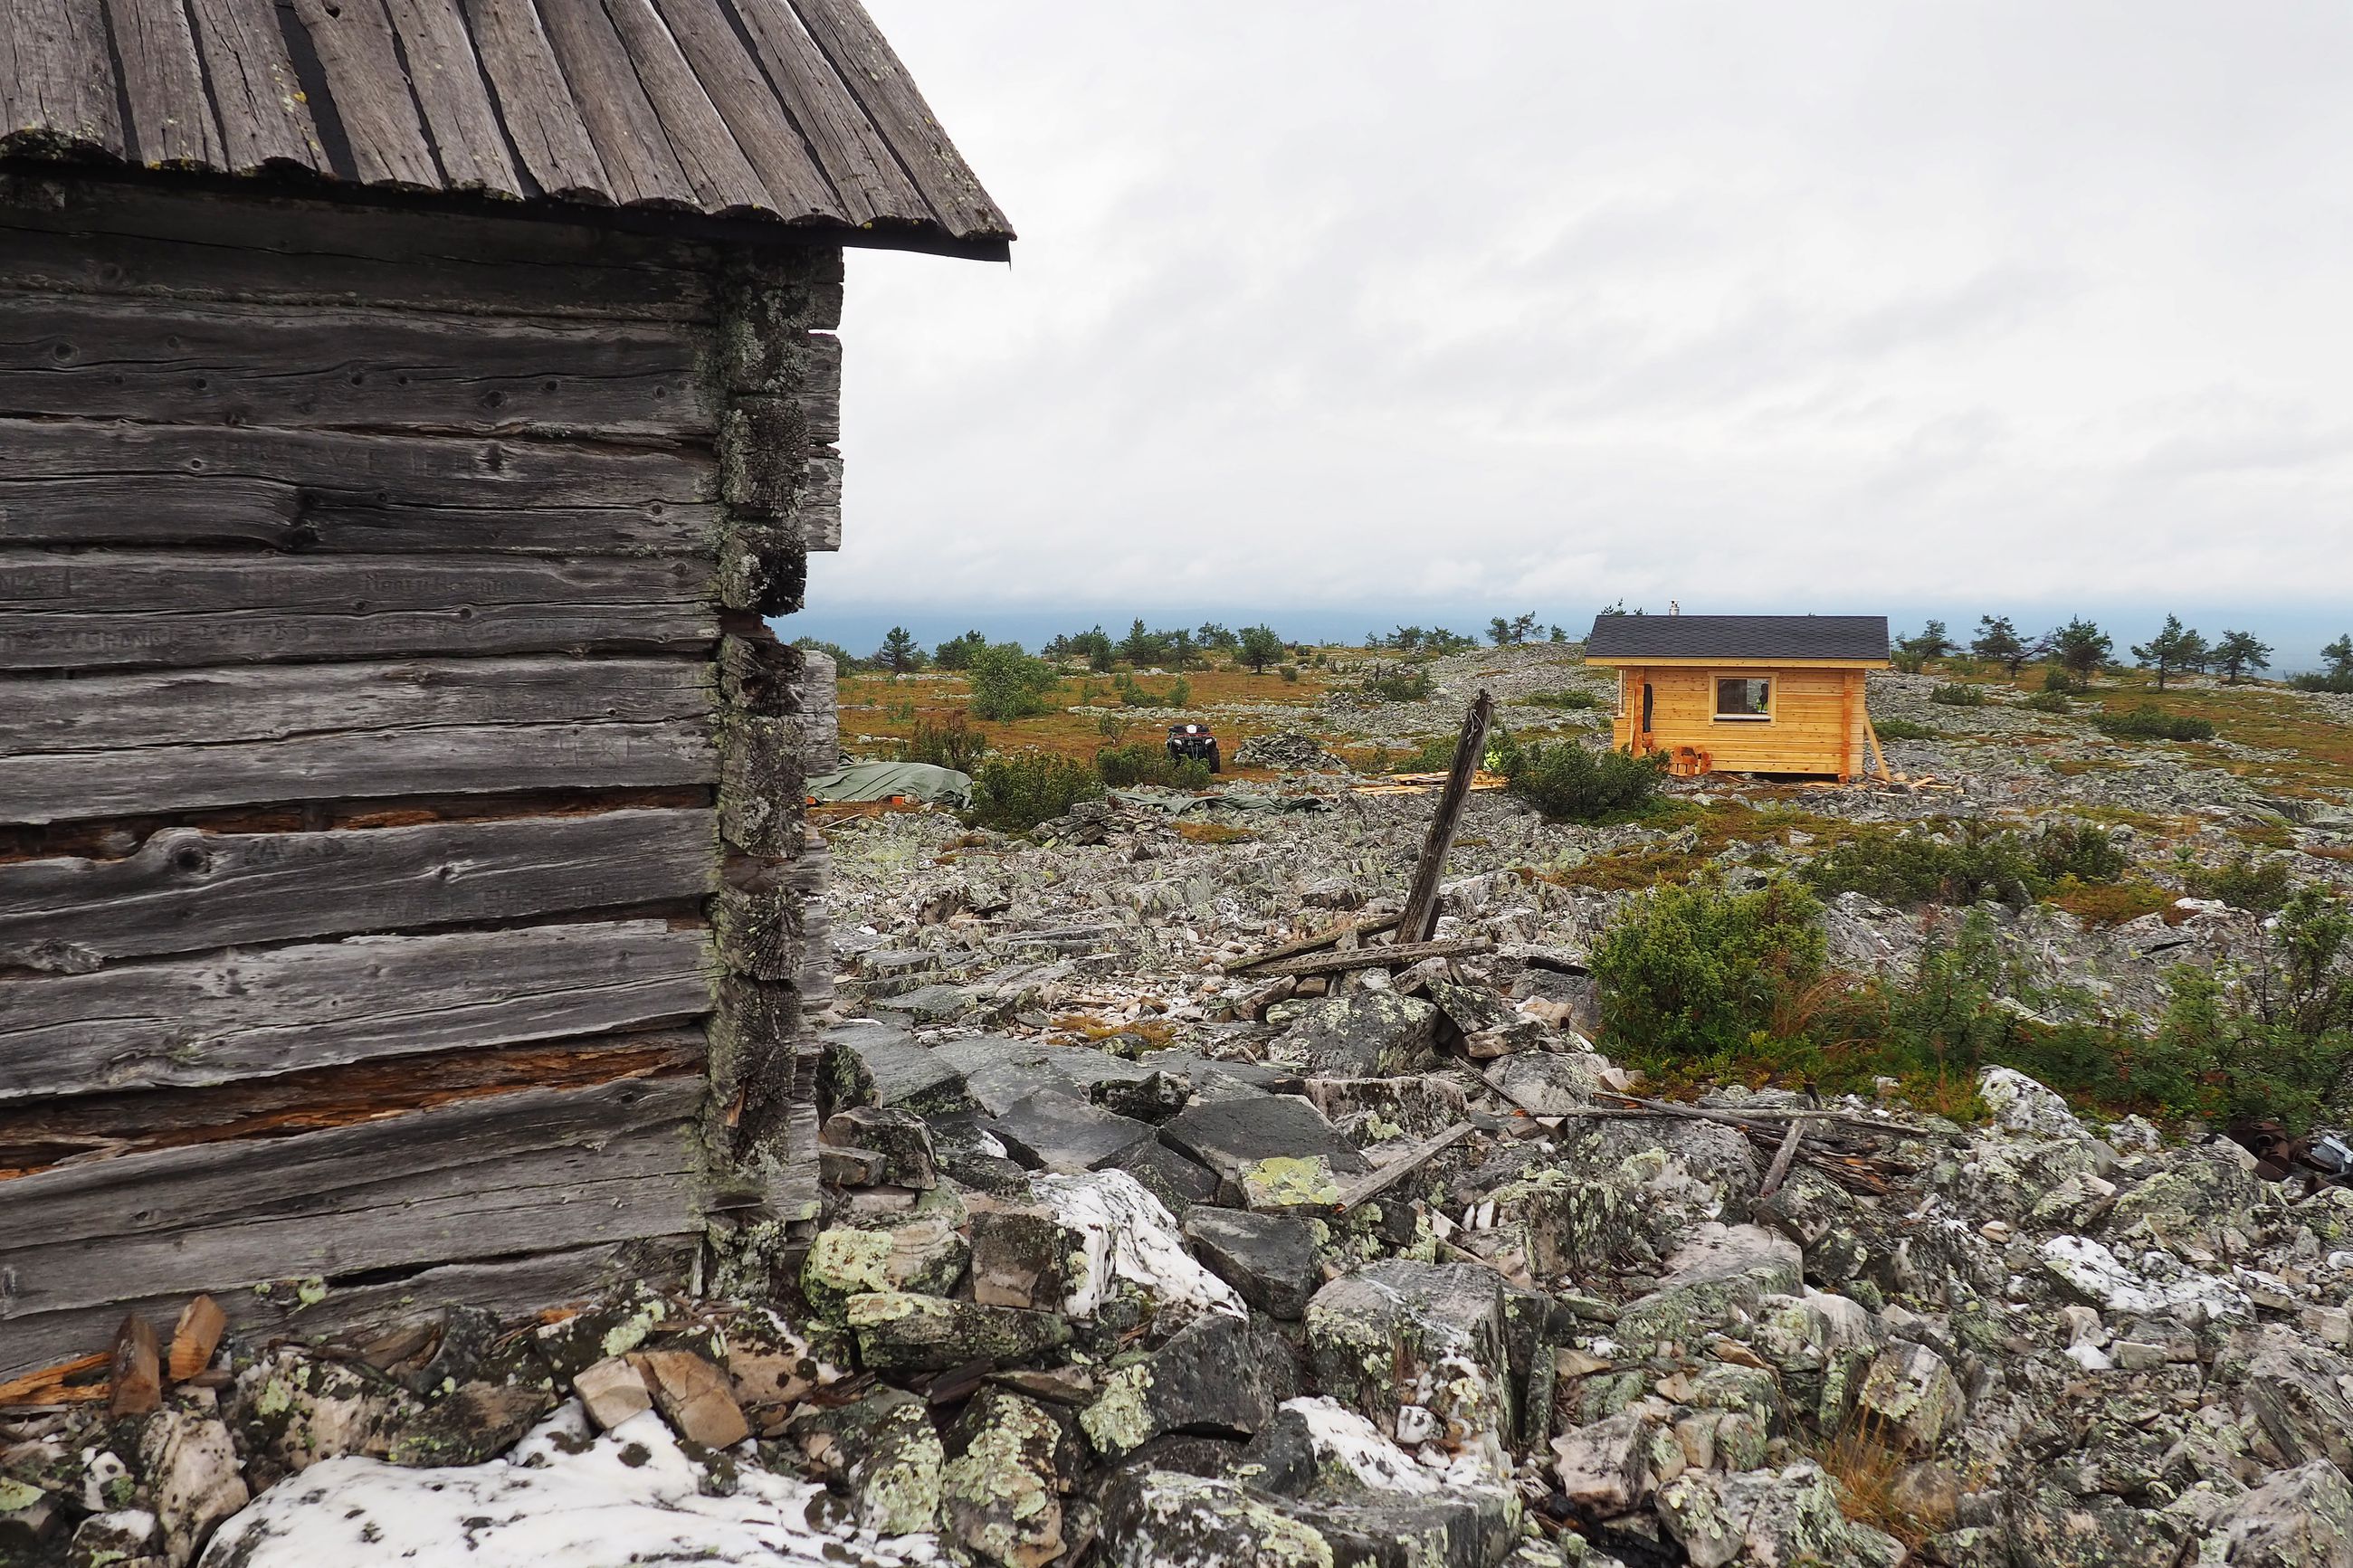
1844 637
764 110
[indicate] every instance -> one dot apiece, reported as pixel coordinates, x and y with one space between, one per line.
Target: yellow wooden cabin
1753 694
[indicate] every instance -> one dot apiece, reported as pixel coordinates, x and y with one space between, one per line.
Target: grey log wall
403 883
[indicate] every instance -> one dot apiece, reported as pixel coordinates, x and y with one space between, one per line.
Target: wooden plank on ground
354 41
349 367
186 890
263 115
1381 955
105 608
164 85
1317 942
235 1015
56 77
482 1180
451 94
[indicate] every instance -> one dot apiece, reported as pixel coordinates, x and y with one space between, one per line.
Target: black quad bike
1190 741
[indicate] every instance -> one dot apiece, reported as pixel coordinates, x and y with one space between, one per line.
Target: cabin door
1649 697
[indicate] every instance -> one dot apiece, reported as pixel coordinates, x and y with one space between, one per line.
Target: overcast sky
1365 310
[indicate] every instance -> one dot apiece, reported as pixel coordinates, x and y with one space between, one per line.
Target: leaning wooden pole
1421 917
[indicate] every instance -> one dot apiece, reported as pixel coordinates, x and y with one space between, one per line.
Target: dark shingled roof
1737 636
781 112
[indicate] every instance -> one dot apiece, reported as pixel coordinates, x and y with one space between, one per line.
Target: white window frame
1772 679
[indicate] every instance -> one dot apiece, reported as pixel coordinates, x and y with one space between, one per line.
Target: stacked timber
402 876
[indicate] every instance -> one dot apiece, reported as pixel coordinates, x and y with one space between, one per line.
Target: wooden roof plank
700 137
613 106
748 100
171 119
57 78
354 41
871 67
448 81
263 116
535 103
863 170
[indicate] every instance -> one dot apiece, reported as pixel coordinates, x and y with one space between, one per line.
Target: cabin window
1744 697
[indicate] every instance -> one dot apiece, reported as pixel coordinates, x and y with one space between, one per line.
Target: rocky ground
1131 1258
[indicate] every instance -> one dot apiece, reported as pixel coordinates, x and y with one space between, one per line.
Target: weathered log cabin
410 413
1758 694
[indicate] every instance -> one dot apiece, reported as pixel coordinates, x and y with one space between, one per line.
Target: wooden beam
1421 917
1389 955
239 1014
186 890
1327 937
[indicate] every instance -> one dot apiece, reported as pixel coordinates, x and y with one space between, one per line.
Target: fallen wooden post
1327 937
1779 1170
1374 1184
1386 956
1420 919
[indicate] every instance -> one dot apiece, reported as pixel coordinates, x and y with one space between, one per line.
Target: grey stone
1000 1496
900 1136
883 1450
193 1477
1269 1259
927 1004
1169 1177
1364 1033
1218 1376
899 1331
1727 1269
1398 1333
1001 1071
1160 1519
1052 1131
1548 1083
2298 1519
1235 1137
875 1064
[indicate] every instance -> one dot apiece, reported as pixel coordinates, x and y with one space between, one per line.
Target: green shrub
1570 783
2047 702
2323 680
1015 792
1953 694
1571 699
1136 695
2083 851
1434 756
1964 864
2246 882
1006 683
1904 730
948 743
2060 680
1138 763
2150 722
1694 973
1396 683
1290 671
2273 1038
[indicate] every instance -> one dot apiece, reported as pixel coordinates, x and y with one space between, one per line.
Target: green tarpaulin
885 780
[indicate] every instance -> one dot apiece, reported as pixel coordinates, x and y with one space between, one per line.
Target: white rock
1130 1235
1341 1436
2091 1270
2021 1105
559 1500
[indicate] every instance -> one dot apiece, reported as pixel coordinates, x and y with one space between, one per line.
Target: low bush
1953 694
2338 681
2063 680
1014 792
1568 700
1691 975
2107 904
2246 882
1138 763
1904 730
2150 722
949 742
1962 864
2083 851
2047 702
1396 683
1136 695
1290 671
1570 783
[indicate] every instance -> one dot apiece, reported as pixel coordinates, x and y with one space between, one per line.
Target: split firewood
196 1337
136 1385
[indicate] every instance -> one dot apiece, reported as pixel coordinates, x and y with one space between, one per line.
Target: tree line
2080 649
